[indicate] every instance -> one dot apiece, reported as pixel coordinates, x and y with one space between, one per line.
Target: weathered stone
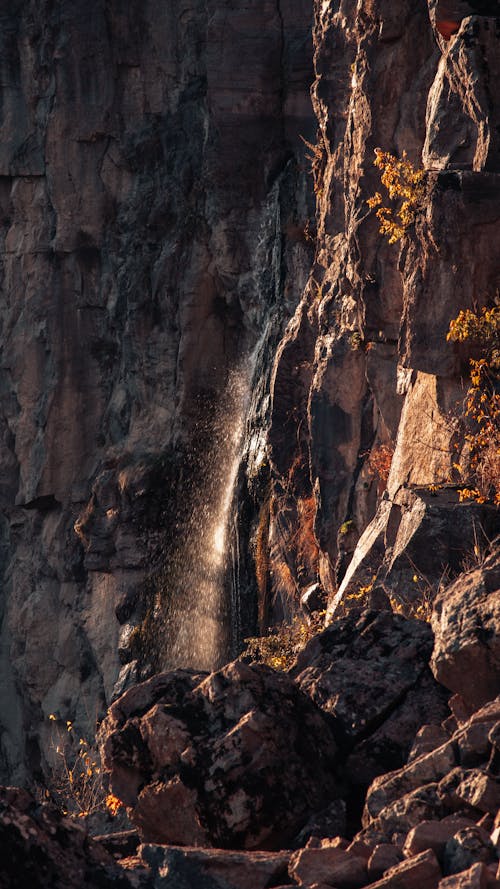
42 848
476 877
428 738
480 791
466 621
199 760
173 868
423 804
370 672
467 847
329 865
420 872
382 859
433 835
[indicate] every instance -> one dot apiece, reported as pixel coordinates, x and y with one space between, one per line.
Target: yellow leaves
113 804
406 188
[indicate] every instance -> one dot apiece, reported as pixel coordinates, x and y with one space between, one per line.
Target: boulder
176 868
433 835
240 758
476 877
421 872
370 673
469 846
328 864
383 857
466 625
42 848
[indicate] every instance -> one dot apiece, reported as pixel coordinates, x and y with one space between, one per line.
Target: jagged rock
383 857
476 877
434 835
371 674
467 847
173 868
199 761
394 548
42 848
329 865
330 822
420 872
466 624
480 790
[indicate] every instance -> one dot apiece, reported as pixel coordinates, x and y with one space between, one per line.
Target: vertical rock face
375 382
154 208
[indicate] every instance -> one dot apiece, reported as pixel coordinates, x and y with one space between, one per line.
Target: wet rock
199 761
370 673
466 625
42 848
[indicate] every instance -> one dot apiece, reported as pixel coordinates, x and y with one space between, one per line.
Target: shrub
280 647
406 189
479 466
75 783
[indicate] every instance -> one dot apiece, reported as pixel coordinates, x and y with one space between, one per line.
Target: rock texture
154 209
199 761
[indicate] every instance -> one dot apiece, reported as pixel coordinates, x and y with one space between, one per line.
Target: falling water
199 622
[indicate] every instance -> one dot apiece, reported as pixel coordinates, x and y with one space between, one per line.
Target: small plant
480 465
75 785
281 646
406 189
379 462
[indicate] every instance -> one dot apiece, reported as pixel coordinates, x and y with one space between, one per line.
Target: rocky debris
383 858
42 848
199 761
476 877
370 673
466 624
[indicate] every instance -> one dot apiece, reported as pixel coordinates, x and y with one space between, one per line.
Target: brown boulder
476 877
328 864
370 672
421 872
199 759
467 847
466 624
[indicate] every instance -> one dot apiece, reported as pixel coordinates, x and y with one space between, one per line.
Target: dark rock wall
154 197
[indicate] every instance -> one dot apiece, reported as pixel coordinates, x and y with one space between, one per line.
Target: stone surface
420 872
213 773
174 868
433 835
466 621
383 857
370 673
329 865
42 848
476 877
467 847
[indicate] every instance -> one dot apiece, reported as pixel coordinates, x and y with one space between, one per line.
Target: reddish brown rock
433 835
420 872
383 857
476 877
480 790
238 727
466 621
329 865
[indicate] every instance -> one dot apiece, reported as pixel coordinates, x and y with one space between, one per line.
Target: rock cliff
155 207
